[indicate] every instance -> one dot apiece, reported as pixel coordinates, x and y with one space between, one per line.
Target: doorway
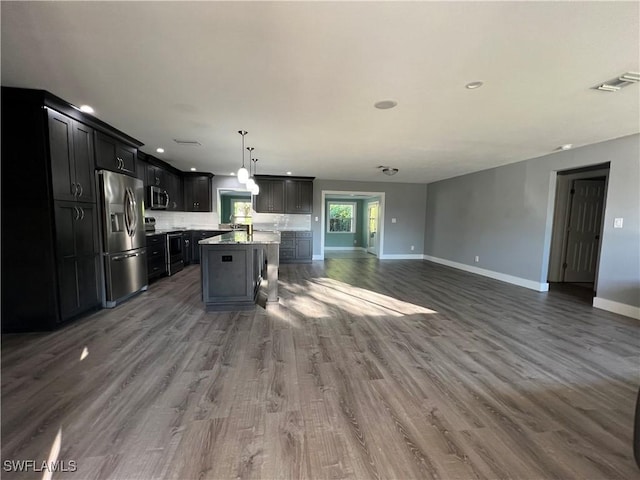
577 229
373 209
347 236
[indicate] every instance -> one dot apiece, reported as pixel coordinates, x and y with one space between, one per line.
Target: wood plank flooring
368 369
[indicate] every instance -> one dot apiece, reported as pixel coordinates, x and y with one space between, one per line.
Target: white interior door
583 237
373 215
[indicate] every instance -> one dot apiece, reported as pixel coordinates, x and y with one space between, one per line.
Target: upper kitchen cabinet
197 192
72 161
271 197
284 195
112 154
299 196
157 177
175 191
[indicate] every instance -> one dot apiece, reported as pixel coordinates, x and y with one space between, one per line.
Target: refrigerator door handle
134 212
127 211
123 257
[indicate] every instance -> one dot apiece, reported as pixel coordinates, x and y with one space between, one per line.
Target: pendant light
243 173
256 188
250 182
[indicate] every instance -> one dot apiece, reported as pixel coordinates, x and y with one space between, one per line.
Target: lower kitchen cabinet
296 247
156 256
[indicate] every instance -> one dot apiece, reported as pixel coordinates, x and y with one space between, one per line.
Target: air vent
187 143
620 82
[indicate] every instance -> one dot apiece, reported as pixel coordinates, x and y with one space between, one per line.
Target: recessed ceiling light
288 173
86 109
160 150
566 146
193 169
474 85
385 104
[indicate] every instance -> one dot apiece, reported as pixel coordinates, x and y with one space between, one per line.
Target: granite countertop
241 237
163 231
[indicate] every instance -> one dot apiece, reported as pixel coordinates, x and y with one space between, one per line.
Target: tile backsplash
210 220
196 220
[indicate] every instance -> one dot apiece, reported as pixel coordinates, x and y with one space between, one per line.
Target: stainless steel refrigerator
123 242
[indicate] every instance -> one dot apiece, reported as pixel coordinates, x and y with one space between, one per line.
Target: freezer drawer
126 273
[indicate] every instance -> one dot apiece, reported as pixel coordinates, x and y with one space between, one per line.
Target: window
342 217
241 211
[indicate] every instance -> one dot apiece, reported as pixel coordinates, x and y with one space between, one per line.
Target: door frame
347 193
560 182
376 242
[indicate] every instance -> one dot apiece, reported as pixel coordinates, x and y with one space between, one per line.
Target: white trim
343 248
617 307
318 257
522 282
401 256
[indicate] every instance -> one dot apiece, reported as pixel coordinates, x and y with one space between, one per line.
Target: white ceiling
302 78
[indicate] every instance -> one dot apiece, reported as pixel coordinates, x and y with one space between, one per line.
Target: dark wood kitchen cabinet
271 197
175 191
284 195
77 255
114 155
296 247
299 196
49 210
72 164
197 192
156 256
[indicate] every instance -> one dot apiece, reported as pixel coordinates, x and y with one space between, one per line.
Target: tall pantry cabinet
50 218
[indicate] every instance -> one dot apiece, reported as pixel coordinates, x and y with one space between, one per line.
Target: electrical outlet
412 248
355 242
316 219
617 222
477 259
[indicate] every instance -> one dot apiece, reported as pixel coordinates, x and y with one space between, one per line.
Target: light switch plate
393 220
617 222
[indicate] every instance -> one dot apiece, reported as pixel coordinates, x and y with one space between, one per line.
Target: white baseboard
335 249
521 282
401 256
318 257
617 307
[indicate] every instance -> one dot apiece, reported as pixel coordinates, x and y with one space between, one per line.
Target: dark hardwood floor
368 369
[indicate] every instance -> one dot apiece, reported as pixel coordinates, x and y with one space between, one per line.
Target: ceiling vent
620 82
187 143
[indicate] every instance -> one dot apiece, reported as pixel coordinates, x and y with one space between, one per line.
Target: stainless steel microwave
158 198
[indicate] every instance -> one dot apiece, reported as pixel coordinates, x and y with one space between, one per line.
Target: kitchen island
235 265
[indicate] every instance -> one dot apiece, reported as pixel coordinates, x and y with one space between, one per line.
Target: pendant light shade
243 173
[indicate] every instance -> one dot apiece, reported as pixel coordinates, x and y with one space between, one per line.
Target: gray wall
403 201
505 216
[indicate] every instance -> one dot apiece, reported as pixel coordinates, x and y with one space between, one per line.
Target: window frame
354 206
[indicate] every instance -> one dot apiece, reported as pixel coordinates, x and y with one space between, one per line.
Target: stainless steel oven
175 257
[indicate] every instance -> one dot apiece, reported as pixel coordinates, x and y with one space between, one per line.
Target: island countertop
241 237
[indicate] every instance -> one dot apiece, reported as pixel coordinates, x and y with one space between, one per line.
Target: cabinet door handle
79 185
81 212
77 215
74 189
